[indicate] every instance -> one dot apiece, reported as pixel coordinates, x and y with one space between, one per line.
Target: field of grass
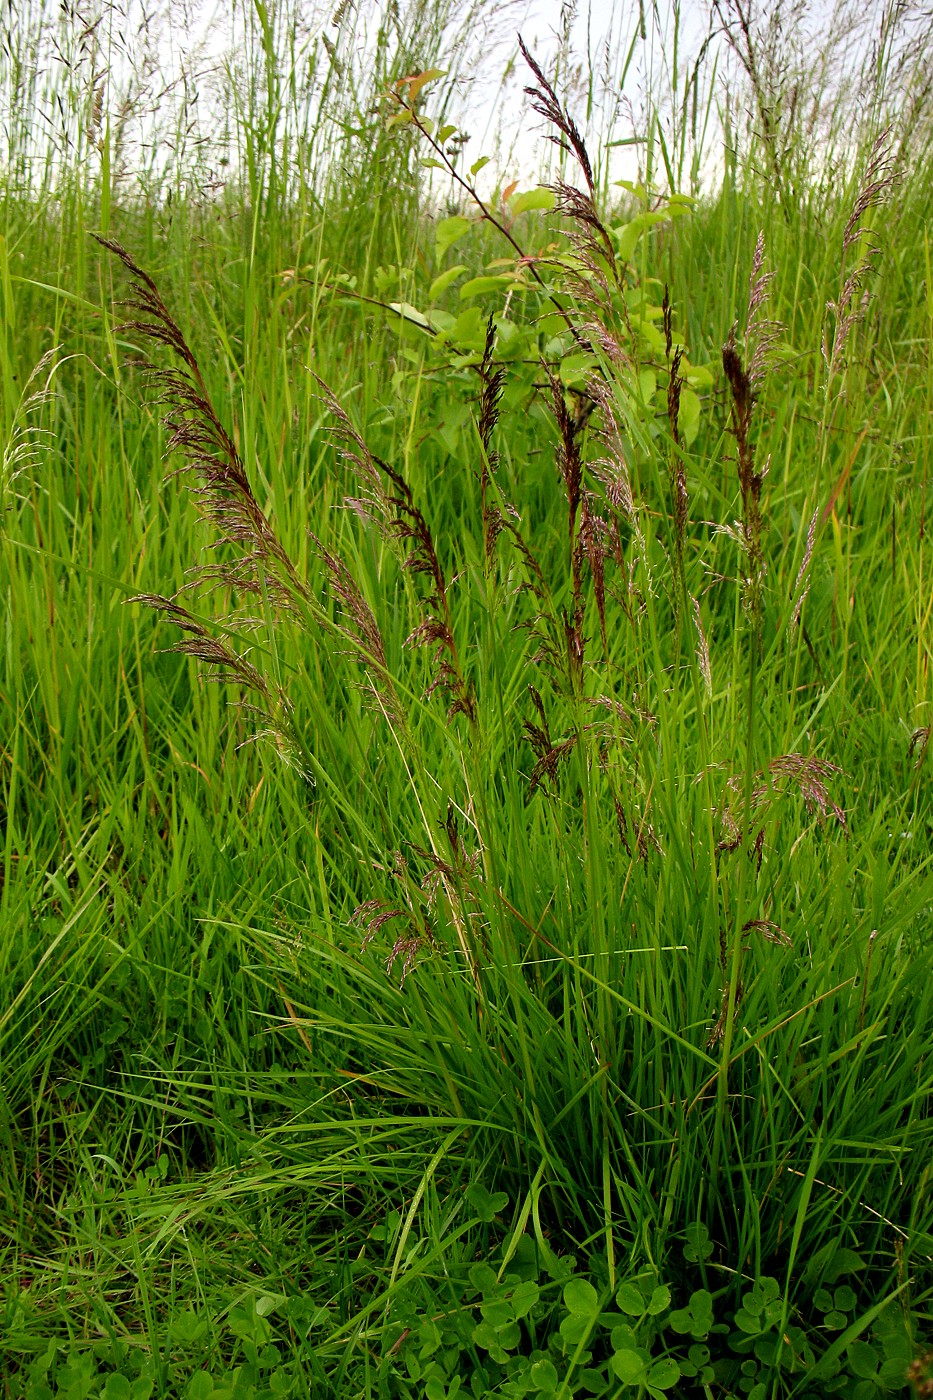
515 975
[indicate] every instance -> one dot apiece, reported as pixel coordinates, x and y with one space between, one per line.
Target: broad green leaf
540 198
543 1376
625 238
628 1366
638 190
580 1297
479 286
483 1278
117 1388
486 1205
411 314
660 1299
688 418
863 1359
469 329
576 369
448 231
497 1312
664 1373
629 1300
700 378
478 165
525 1298
647 384
623 1338
749 1323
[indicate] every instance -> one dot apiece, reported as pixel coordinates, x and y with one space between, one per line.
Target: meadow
465 714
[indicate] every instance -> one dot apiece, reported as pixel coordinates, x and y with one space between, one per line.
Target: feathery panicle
703 660
748 531
362 630
545 102
549 754
918 746
770 932
804 773
804 577
389 503
854 297
492 381
261 568
372 505
223 664
760 332
25 442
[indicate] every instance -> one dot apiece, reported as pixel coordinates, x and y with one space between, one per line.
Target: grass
514 975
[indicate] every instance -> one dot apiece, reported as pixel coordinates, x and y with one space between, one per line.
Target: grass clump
556 1020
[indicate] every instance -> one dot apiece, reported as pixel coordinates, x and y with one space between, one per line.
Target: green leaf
487 1206
628 1366
483 1278
660 1299
448 231
411 314
540 198
688 417
581 1298
186 1327
747 1322
479 286
525 1298
117 1387
647 385
497 1312
664 1373
842 1261
625 238
543 1376
698 1245
863 1359
629 1300
478 165
700 377
576 369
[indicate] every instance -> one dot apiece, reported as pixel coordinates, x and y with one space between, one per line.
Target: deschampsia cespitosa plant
578 844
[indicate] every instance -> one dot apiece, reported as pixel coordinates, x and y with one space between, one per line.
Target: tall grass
589 910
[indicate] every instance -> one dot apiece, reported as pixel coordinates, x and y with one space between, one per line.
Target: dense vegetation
514 977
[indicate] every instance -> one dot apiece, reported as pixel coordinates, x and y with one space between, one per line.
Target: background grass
235 1134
